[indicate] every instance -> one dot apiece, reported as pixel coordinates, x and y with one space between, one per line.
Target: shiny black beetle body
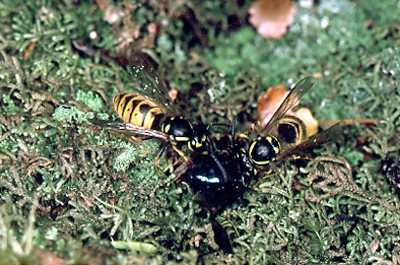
221 176
216 180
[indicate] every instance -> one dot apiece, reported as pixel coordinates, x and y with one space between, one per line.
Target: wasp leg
300 157
221 237
158 157
180 171
136 139
180 153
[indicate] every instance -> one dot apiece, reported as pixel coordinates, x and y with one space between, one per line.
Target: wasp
151 114
218 170
224 174
284 135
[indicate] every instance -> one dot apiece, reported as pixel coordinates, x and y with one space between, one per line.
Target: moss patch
90 187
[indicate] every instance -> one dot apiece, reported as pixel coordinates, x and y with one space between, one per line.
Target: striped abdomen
136 109
291 129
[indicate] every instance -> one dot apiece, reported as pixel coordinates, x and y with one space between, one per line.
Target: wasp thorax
179 129
263 150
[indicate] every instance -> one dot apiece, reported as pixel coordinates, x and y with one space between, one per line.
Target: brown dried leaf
268 104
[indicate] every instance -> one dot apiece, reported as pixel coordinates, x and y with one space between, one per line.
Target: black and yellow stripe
136 109
291 130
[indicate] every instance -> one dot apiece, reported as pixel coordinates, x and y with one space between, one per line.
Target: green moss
90 99
128 155
9 106
94 186
69 114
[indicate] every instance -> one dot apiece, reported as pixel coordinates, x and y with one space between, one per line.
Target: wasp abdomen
291 129
136 109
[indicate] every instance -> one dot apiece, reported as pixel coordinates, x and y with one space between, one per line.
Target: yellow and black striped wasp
285 134
222 178
151 114
218 170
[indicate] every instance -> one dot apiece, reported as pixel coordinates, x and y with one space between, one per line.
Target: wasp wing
150 82
133 130
289 102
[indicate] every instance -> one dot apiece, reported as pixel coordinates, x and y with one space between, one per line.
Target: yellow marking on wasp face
251 148
272 140
261 163
166 127
182 139
242 135
190 146
193 144
277 147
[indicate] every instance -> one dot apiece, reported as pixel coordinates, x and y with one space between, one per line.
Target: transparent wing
330 134
133 130
290 101
149 81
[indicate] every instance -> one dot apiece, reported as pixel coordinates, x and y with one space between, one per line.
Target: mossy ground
89 187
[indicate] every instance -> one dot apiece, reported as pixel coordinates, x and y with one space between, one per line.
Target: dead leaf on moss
272 17
269 103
